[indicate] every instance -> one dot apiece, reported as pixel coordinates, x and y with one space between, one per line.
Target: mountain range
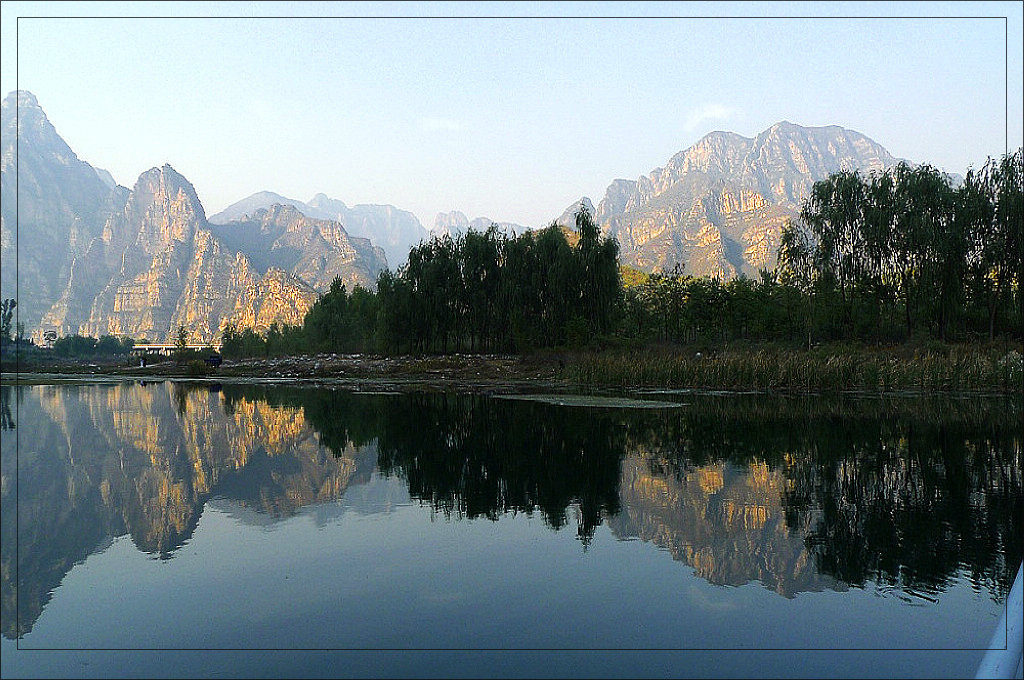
87 257
95 257
716 208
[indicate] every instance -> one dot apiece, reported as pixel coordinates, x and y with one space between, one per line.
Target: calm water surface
179 529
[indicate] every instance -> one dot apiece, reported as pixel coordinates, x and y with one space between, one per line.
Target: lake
176 528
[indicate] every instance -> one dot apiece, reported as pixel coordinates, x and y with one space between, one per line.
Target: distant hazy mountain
250 204
718 207
106 178
455 223
386 226
96 258
567 220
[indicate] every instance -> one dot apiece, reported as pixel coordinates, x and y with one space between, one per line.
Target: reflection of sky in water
409 581
293 548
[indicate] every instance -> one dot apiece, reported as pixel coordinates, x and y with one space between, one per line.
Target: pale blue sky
508 118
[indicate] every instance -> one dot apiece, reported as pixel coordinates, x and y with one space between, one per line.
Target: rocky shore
465 370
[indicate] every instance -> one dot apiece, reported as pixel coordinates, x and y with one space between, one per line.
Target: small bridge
169 349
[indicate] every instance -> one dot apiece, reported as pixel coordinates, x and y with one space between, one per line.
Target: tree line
479 292
906 246
884 257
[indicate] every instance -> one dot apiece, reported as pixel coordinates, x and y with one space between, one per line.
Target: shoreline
867 371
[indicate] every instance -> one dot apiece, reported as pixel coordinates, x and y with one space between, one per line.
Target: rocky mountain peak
22 97
450 224
567 220
281 213
24 119
718 206
165 206
324 202
24 103
167 183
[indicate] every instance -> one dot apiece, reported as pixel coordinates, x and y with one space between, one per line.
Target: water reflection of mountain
797 494
100 461
806 494
725 520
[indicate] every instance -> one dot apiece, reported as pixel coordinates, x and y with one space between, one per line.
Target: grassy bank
996 368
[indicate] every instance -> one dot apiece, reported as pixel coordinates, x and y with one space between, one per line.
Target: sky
511 111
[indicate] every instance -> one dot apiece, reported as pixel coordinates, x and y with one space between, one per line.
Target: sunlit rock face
718 208
174 272
276 298
726 522
96 258
313 251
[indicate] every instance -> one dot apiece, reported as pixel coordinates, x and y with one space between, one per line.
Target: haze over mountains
391 228
99 258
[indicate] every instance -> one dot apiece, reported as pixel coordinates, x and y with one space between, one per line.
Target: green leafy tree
181 344
6 318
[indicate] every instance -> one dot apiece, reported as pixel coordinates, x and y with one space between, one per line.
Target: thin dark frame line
508 17
17 354
506 649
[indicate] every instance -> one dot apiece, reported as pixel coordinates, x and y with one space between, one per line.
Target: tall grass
833 369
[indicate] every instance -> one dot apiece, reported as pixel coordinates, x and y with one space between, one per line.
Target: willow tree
997 193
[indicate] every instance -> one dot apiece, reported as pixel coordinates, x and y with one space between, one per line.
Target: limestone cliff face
142 297
718 207
311 250
391 228
276 298
216 284
53 206
178 270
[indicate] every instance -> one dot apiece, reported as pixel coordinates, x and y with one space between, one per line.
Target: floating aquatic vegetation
591 401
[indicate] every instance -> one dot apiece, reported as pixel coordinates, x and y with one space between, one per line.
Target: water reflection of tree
913 508
6 420
474 457
904 492
484 457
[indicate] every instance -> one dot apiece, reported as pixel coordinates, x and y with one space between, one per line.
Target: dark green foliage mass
906 252
480 292
87 346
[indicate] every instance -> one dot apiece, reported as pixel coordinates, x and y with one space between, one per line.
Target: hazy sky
509 118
